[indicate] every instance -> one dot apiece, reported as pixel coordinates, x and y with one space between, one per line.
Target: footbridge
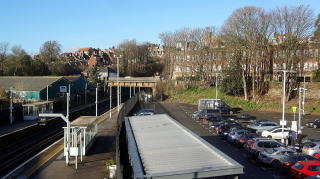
134 83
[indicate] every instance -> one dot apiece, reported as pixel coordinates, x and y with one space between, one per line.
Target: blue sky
106 23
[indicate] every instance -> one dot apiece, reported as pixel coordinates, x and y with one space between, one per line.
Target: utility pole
85 93
300 108
47 93
283 122
97 100
118 95
304 94
11 106
110 102
216 86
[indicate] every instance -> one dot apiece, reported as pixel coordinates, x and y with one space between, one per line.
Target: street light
66 119
118 95
283 122
11 106
299 112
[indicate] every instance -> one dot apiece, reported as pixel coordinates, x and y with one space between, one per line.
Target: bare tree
246 34
294 25
50 50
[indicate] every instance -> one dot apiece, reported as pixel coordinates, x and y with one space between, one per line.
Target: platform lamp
11 106
66 119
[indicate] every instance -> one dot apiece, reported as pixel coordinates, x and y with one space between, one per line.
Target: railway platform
22 124
93 165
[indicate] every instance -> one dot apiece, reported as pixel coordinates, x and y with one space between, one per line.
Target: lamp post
282 121
216 85
118 95
304 94
97 100
300 109
110 102
11 106
66 119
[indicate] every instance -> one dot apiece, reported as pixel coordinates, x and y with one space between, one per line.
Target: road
182 113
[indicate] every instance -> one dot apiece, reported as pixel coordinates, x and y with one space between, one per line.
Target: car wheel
315 126
269 136
275 164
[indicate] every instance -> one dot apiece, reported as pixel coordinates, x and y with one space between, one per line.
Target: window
260 144
298 166
314 168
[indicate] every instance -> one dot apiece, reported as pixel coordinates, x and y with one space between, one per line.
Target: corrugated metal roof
27 83
165 146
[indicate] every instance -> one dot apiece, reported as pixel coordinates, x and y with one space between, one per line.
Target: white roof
165 146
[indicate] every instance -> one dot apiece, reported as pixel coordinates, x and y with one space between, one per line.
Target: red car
317 156
303 169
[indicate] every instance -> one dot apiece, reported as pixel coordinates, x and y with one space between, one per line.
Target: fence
126 108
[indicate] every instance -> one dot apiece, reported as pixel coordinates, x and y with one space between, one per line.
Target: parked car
218 127
225 109
250 142
262 126
275 133
303 169
316 176
308 141
317 156
236 134
145 112
241 141
245 118
289 160
226 130
314 124
272 156
311 148
208 112
262 145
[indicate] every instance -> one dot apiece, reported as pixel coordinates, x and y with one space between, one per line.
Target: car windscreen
298 166
309 145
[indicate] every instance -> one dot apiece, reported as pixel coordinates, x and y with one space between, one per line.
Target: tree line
15 61
245 50
135 59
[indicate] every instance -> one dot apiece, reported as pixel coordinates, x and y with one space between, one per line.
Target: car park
262 126
272 156
303 169
311 148
275 133
145 112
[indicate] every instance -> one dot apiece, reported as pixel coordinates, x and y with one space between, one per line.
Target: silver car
264 144
311 148
262 126
272 156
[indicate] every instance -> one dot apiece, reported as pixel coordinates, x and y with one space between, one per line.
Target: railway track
14 159
16 154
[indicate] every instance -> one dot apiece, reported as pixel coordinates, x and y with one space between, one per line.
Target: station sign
63 89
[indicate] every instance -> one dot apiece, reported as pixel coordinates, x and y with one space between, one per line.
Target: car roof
310 162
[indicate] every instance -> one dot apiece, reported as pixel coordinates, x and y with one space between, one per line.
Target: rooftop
27 83
165 147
